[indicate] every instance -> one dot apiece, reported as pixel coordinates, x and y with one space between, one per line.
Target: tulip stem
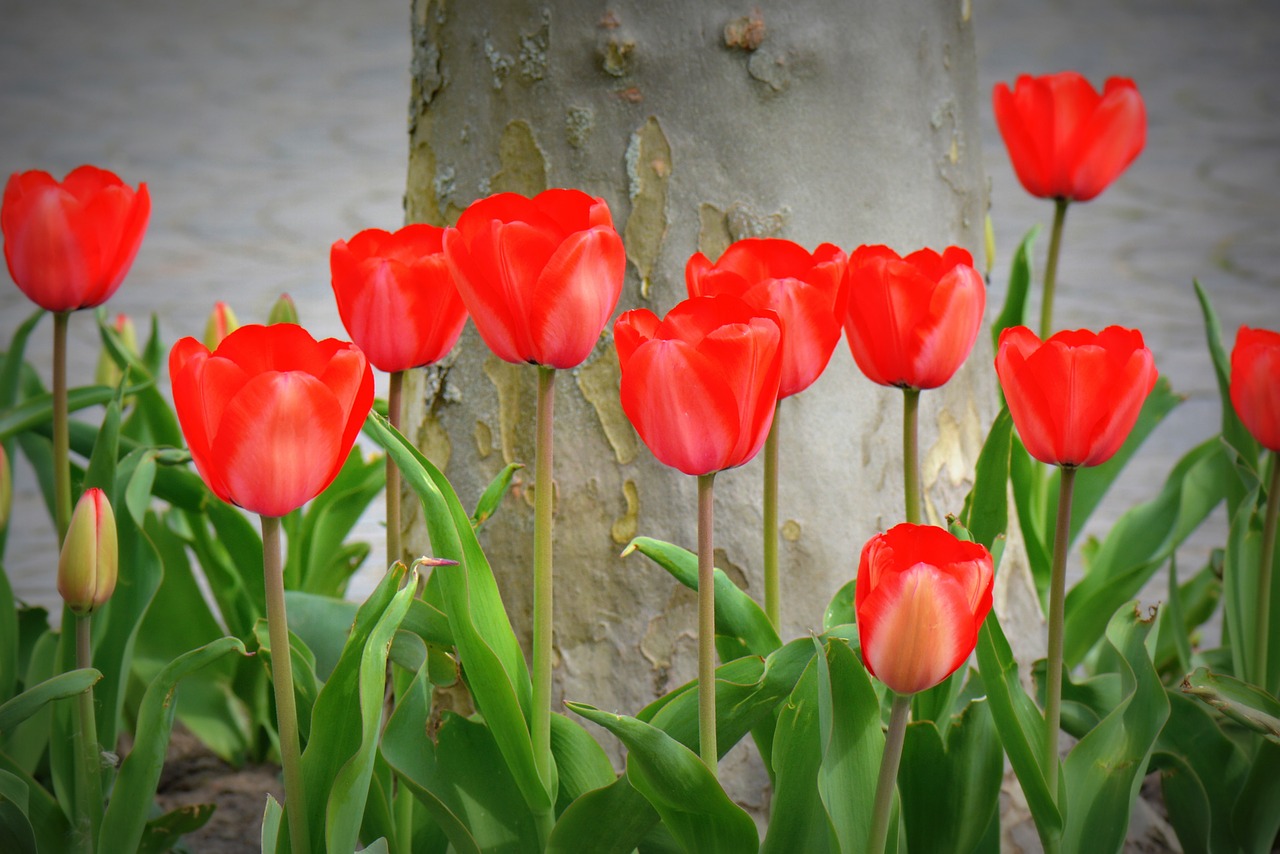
888 779
393 473
911 453
61 443
89 764
707 747
772 592
1051 268
1057 600
282 682
543 580
1261 625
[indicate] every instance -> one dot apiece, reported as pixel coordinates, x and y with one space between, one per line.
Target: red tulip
912 321
1255 384
69 245
1066 140
920 599
396 297
540 277
271 415
803 289
1075 397
700 386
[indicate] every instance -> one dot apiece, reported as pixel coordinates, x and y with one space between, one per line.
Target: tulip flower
1067 140
1255 384
108 372
68 246
87 569
911 323
1074 399
1067 143
271 414
920 598
804 290
283 310
1255 396
221 323
700 386
396 296
89 561
540 277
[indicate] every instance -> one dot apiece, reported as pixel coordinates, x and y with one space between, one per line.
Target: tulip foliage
419 723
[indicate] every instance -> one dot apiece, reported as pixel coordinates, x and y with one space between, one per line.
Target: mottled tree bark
700 123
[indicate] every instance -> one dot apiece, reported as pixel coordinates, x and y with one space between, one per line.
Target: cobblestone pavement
268 129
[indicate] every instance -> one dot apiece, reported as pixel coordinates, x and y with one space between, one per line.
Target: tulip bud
6 489
284 311
108 372
88 565
222 322
989 245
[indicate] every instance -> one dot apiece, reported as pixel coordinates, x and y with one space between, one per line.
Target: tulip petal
575 293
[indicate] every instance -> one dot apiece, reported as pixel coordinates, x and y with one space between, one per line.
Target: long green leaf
18 709
610 820
1104 770
797 819
11 369
38 410
1256 817
8 634
1140 542
738 617
1234 432
852 744
16 834
680 787
1014 312
986 507
1241 701
47 818
126 816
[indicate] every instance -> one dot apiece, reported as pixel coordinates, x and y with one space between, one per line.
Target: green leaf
345 722
1019 723
126 816
231 557
1014 312
46 818
1237 436
11 370
581 762
18 709
840 611
8 636
950 789
1243 702
322 623
1104 770
738 617
986 507
852 744
797 819
1140 542
272 821
1028 478
162 834
16 833
1256 816
610 820
317 555
491 657
493 494
38 410
679 786
306 686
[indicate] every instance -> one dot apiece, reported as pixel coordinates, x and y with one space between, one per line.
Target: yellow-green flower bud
284 311
89 562
108 372
6 489
222 322
989 244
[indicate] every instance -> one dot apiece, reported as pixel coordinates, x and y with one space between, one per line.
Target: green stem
772 592
282 682
911 453
89 764
543 585
888 779
1051 268
1262 624
707 747
61 455
1057 619
393 473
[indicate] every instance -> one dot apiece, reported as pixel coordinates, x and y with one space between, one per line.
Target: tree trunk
699 123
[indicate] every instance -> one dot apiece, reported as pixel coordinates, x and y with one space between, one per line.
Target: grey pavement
266 130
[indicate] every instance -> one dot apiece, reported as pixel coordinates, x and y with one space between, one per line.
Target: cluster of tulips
270 414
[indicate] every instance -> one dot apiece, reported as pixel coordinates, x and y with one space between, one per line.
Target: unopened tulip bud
284 311
108 372
989 245
6 489
88 565
222 322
